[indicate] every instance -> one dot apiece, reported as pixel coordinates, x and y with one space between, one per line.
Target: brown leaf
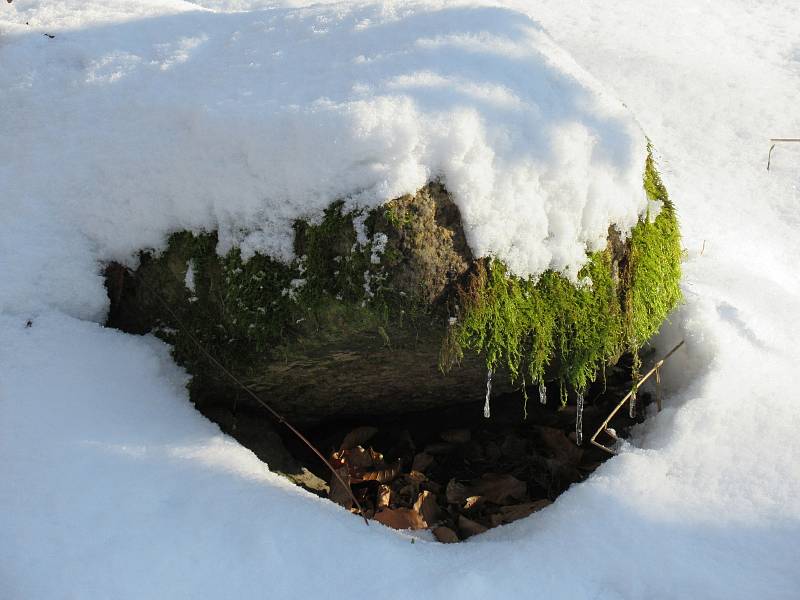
514 446
431 486
407 494
357 458
520 511
445 535
415 477
427 507
563 474
456 436
422 461
456 492
357 437
400 518
439 448
498 488
556 441
377 457
384 496
381 475
468 527
339 493
473 502
493 451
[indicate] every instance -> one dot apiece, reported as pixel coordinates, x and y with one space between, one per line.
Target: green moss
552 328
656 264
244 310
531 326
247 313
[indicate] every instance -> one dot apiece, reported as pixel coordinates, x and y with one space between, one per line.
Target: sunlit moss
552 328
337 289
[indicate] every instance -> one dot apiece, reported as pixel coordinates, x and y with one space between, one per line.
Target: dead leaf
445 535
473 502
493 451
456 492
468 527
422 461
357 437
439 448
431 486
520 511
456 436
514 446
358 458
498 488
556 441
381 475
400 518
339 493
407 494
427 507
562 474
384 496
415 477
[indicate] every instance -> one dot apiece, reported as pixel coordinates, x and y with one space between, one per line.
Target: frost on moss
552 328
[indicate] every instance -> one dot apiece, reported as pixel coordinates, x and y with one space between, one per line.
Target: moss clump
552 328
655 260
246 312
355 323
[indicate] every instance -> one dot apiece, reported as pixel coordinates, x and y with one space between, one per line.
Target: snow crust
113 486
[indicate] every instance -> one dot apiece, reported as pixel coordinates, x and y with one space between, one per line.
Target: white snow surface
136 118
169 118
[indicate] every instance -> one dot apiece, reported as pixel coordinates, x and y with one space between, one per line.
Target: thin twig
605 423
255 396
772 147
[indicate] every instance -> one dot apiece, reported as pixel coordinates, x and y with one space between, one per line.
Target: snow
188 279
113 486
244 122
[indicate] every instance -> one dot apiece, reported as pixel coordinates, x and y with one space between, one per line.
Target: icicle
579 420
487 411
524 400
632 406
542 392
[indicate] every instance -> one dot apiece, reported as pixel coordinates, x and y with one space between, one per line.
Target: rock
350 329
387 311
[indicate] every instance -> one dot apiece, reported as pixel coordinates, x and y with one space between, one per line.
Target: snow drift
114 487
